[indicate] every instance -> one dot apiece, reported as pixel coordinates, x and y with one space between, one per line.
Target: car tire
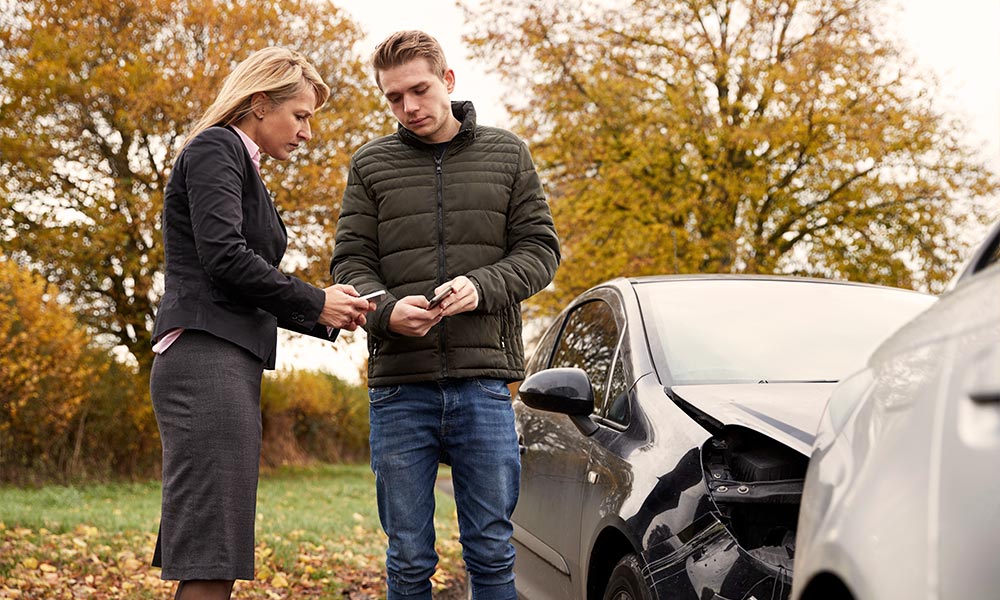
626 582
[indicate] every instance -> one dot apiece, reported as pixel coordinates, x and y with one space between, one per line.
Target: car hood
786 412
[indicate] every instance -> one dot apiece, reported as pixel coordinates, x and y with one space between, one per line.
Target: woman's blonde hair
278 72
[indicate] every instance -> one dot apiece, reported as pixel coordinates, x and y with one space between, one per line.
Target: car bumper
712 565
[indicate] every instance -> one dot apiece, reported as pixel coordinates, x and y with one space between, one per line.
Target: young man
443 204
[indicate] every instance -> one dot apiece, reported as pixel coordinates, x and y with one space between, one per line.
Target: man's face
420 100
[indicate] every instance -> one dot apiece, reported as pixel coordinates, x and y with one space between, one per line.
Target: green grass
109 507
317 532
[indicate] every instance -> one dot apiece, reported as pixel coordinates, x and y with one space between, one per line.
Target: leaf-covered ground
317 537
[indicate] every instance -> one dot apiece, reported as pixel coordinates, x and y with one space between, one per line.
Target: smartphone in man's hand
439 297
373 295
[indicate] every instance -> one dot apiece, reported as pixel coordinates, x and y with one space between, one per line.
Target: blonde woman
216 326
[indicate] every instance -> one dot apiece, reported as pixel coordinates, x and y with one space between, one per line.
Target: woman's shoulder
217 134
220 143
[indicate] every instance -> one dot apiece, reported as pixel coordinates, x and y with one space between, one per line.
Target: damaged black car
665 426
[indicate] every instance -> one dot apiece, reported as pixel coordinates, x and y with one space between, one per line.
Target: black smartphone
439 297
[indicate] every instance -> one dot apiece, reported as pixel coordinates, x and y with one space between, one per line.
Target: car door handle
985 397
984 389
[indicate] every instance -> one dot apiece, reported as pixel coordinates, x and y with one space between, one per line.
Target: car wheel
626 581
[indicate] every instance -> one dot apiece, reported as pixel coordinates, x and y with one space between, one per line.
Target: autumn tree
745 136
95 99
45 372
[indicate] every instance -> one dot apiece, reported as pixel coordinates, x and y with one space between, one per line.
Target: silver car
901 496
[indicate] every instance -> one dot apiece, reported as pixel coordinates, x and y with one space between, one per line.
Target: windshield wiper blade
798 381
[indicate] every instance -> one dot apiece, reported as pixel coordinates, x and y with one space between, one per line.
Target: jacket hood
786 412
464 111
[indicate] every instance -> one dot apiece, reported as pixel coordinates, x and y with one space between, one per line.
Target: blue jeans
468 423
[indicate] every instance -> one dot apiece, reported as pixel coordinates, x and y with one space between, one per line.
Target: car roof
646 279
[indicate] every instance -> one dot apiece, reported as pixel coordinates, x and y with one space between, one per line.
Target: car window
618 395
704 331
589 341
543 351
991 256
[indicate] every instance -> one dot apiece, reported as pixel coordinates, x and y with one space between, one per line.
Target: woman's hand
343 308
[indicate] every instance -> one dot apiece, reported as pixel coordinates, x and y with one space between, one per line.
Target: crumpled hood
786 412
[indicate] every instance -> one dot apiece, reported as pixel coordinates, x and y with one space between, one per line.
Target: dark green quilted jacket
412 219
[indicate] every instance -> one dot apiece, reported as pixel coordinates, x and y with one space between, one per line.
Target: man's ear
449 80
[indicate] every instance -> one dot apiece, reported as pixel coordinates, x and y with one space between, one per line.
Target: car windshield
759 331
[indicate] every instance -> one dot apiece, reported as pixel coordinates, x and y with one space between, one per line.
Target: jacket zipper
442 272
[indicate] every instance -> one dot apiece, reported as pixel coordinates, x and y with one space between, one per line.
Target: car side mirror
564 390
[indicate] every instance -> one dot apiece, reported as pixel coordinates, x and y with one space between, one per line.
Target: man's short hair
404 46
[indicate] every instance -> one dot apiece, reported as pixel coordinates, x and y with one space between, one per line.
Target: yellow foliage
44 371
759 136
94 101
310 414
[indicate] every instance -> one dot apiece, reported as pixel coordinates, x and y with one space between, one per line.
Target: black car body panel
787 412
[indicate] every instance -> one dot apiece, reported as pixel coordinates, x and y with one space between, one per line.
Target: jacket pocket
511 336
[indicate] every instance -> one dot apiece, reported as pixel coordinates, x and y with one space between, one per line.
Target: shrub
46 370
311 415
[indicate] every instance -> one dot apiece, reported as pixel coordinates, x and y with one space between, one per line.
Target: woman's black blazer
223 240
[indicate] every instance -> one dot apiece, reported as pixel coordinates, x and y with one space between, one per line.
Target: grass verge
318 536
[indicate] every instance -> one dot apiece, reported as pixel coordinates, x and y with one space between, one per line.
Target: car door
609 476
554 462
968 527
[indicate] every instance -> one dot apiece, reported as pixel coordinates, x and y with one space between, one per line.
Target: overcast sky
958 40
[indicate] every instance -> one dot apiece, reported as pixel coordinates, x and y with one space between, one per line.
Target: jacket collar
464 112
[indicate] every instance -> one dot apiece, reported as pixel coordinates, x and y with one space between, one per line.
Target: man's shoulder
498 146
379 147
497 135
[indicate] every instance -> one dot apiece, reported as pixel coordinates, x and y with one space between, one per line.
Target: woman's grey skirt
206 396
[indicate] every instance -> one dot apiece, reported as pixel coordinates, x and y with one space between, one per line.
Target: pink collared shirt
171 336
252 147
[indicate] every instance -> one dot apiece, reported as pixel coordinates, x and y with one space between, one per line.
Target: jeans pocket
377 395
494 388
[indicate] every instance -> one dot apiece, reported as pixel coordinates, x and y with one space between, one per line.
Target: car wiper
798 381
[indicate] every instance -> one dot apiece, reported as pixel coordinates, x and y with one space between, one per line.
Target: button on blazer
223 240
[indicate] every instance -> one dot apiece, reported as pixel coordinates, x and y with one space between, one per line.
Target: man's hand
463 298
410 316
343 308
